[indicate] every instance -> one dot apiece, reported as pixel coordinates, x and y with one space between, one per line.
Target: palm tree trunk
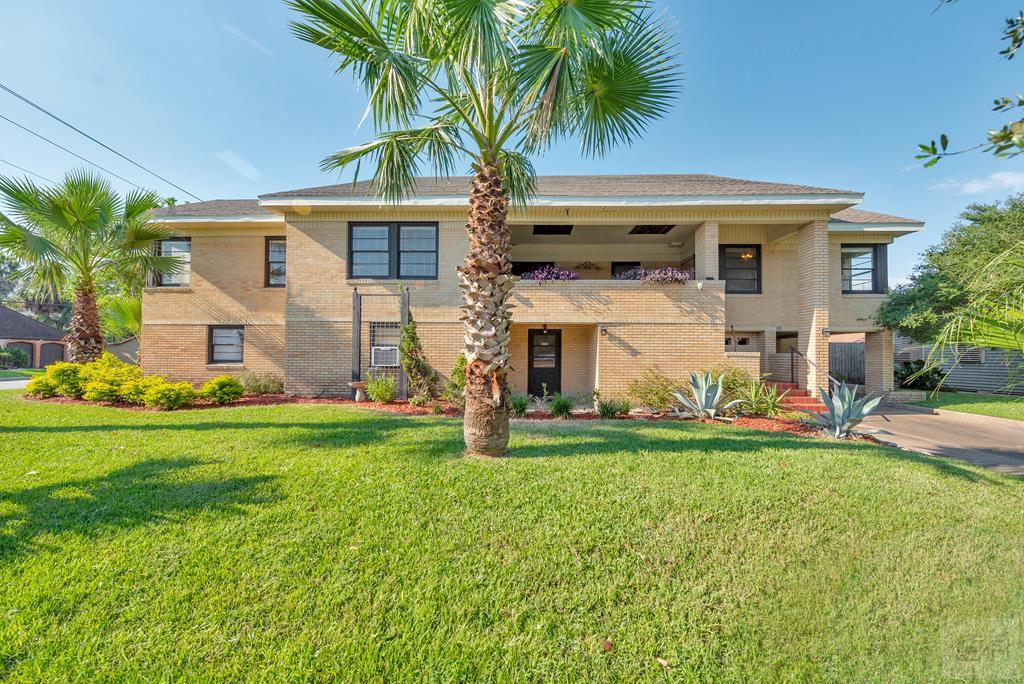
85 340
486 282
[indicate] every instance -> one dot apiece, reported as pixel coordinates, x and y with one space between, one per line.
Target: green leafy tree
491 83
72 236
1007 141
946 280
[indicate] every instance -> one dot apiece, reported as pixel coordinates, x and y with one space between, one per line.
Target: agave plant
844 411
706 399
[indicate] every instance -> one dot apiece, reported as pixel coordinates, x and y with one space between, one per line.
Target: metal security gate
377 320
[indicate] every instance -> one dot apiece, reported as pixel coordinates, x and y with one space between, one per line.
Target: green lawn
316 542
22 374
983 404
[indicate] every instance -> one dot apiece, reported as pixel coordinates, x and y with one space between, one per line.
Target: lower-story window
226 343
384 345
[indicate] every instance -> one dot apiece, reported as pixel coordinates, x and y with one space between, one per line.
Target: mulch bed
405 408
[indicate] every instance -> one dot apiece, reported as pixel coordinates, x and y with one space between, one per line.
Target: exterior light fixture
747 255
604 329
825 332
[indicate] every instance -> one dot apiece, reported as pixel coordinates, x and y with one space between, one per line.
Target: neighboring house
127 350
42 343
973 370
280 283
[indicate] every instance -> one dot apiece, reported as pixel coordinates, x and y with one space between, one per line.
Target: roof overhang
240 218
902 228
814 199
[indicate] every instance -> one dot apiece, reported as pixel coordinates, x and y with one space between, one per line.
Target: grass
21 374
981 404
310 542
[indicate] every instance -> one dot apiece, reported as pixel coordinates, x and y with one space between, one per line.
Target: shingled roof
222 207
859 216
16 326
646 185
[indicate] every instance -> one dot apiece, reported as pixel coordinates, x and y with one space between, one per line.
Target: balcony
618 301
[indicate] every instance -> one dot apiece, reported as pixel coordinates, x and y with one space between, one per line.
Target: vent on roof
650 229
552 230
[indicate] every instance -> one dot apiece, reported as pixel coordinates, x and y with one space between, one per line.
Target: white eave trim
846 227
567 201
241 218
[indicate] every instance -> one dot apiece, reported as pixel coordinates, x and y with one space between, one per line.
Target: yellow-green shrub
223 389
66 379
134 391
103 378
170 395
41 386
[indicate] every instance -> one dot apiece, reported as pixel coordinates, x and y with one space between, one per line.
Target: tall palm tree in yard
75 236
490 83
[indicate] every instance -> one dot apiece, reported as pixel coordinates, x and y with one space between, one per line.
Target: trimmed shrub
735 384
422 378
519 405
134 391
12 357
261 383
654 390
610 408
560 406
102 379
41 386
66 379
169 396
381 389
455 388
223 389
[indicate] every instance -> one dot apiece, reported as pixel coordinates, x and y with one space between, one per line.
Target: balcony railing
600 301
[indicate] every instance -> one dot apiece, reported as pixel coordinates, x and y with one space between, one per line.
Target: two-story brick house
270 283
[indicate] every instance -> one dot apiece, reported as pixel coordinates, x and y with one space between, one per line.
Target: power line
42 137
31 173
105 146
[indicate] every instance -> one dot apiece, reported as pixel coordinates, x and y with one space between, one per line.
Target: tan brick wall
812 298
705 250
180 351
878 362
578 358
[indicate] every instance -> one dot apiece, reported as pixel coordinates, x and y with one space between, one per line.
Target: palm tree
491 83
121 318
73 237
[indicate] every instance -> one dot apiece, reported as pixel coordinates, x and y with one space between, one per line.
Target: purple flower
666 274
550 273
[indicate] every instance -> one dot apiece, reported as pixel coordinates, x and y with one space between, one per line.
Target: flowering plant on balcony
666 274
550 273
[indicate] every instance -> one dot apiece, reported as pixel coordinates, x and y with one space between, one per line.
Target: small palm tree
73 237
491 83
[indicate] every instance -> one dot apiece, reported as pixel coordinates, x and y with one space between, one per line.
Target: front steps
797 399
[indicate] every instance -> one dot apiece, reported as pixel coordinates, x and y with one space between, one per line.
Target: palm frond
121 316
623 90
583 21
519 177
480 31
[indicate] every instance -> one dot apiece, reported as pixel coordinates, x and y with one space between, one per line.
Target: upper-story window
176 247
863 268
275 263
740 267
393 250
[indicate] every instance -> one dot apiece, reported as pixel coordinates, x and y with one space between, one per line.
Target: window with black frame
182 249
226 344
405 251
275 269
740 267
863 268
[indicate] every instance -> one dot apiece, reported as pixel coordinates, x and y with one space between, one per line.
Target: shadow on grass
140 494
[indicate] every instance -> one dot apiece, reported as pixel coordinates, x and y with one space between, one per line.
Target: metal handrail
793 352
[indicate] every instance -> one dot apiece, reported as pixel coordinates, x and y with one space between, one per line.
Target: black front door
545 362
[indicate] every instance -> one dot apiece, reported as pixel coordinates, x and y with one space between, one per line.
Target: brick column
705 251
812 302
878 362
768 345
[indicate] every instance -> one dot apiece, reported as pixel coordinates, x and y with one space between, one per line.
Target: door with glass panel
545 362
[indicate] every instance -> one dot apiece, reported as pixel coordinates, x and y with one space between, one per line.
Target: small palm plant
844 411
705 400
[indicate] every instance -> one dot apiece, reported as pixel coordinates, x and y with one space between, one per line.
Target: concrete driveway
995 443
13 384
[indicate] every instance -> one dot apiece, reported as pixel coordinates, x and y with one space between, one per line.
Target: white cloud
1000 181
246 38
239 165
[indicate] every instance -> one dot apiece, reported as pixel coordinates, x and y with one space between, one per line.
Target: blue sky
221 99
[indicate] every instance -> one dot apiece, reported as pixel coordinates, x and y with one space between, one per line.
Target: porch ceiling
599 234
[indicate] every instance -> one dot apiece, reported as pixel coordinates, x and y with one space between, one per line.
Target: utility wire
42 137
103 145
31 173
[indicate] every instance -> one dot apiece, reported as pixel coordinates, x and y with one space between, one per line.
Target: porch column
768 345
878 362
812 303
705 251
